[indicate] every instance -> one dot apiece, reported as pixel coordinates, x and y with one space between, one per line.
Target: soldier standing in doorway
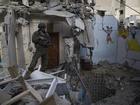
41 40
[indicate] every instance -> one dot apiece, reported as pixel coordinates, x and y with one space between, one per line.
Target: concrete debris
41 75
115 79
2 2
22 21
64 14
4 96
59 7
52 88
105 84
96 84
121 98
74 96
34 93
16 91
38 7
53 3
25 2
62 89
108 84
79 23
61 101
56 100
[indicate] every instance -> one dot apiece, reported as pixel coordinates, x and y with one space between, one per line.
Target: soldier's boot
28 73
34 61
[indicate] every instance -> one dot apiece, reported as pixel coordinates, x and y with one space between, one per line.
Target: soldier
41 40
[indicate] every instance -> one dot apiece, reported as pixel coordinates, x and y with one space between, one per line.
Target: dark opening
121 12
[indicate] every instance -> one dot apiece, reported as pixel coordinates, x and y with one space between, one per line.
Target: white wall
135 4
104 51
111 6
116 52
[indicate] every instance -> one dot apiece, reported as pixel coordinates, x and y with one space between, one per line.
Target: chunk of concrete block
49 101
41 75
61 101
64 14
4 96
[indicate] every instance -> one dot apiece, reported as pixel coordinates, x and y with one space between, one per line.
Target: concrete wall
33 27
111 7
118 51
135 4
28 30
104 51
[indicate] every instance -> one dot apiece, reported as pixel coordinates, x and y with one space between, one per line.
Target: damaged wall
29 48
27 39
58 27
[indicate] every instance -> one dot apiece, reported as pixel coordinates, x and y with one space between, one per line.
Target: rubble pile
18 91
111 84
97 88
107 84
38 90
77 14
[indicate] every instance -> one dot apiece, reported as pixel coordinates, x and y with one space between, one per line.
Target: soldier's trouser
36 56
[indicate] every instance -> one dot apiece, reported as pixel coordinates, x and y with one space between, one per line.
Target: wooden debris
28 90
7 81
34 93
16 98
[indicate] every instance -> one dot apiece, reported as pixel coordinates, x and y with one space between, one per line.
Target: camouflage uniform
41 40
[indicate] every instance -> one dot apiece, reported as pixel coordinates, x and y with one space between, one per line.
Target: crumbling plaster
58 27
107 52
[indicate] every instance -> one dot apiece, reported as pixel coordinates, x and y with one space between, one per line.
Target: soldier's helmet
41 25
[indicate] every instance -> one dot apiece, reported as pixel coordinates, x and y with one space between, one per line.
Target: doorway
53 50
